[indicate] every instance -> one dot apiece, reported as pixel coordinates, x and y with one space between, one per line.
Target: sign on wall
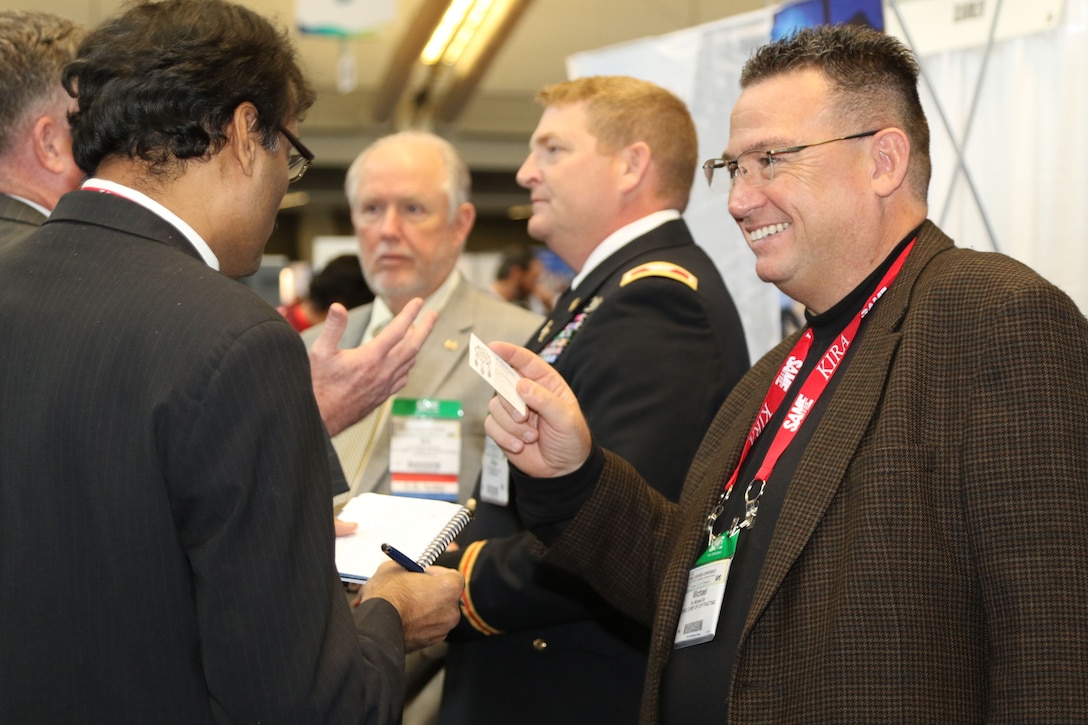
343 18
937 26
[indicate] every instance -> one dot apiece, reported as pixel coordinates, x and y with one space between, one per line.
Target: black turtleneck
693 686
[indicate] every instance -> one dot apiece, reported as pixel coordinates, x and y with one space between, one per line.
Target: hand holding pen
428 605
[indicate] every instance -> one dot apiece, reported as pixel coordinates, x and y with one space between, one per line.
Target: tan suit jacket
441 371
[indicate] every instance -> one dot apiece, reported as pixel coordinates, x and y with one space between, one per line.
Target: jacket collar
121 215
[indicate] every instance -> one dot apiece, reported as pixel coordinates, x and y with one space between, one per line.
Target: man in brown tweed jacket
907 479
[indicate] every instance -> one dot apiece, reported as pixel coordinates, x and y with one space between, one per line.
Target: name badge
425 448
706 590
494 475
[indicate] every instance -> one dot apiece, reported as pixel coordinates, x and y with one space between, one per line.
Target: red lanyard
812 388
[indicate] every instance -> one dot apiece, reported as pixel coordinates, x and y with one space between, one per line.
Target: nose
743 197
528 173
390 223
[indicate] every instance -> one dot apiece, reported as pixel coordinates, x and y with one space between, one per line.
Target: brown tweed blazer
930 563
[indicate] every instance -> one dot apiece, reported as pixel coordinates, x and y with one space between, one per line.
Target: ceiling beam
462 88
396 80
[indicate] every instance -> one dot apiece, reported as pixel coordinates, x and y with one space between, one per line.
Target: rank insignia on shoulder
660 269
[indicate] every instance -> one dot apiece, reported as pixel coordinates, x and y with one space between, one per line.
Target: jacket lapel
446 346
358 320
836 440
114 212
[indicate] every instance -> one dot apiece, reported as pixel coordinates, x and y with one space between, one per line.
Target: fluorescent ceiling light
454 32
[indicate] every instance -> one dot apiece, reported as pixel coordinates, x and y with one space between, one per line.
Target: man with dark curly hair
162 457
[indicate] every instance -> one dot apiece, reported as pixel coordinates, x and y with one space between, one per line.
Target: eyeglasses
300 160
756 166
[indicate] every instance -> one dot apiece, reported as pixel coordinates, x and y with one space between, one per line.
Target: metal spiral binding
444 537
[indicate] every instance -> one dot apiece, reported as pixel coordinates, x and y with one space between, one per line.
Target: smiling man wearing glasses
886 520
163 463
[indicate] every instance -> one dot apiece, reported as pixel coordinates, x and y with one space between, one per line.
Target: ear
633 162
52 144
463 220
891 157
243 142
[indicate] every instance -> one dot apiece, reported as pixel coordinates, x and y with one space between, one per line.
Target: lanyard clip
712 517
751 504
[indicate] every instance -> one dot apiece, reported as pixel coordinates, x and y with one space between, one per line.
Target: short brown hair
624 110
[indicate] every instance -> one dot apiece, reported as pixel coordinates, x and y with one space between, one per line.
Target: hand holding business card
496 371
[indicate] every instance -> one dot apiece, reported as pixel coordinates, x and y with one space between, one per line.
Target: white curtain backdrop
702 65
1022 188
1025 148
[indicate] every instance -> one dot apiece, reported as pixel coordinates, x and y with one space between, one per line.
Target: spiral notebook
422 528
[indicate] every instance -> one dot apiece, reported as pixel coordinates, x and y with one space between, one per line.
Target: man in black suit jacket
649 338
162 458
36 164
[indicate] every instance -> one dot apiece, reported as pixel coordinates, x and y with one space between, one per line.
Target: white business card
496 371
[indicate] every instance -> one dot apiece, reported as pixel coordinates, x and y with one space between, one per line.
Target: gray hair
457 182
34 49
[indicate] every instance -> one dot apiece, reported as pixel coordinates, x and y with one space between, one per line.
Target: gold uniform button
539 645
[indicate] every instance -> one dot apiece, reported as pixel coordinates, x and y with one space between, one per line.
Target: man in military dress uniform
649 339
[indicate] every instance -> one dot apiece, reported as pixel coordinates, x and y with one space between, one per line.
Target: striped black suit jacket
162 463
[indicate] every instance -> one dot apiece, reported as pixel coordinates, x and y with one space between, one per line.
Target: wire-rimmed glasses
756 166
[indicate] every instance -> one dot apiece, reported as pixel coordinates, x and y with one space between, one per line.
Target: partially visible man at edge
886 520
162 458
36 164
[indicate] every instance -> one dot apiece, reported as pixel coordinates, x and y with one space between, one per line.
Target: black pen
401 559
